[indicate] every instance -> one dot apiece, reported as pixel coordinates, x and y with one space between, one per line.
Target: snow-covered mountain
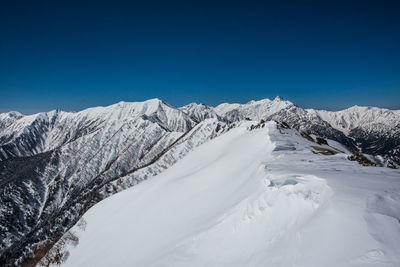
368 118
370 130
43 132
375 130
55 165
8 118
249 198
255 110
199 112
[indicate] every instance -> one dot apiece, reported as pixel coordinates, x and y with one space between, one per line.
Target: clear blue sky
76 54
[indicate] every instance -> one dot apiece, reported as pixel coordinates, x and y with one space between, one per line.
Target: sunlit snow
242 199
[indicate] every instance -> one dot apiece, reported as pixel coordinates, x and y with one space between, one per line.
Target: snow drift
218 206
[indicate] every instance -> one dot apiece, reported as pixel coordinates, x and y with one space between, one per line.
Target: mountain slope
55 165
8 118
199 112
248 198
73 160
370 119
42 132
376 130
255 110
372 131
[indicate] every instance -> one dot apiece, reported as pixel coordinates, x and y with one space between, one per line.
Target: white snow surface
249 198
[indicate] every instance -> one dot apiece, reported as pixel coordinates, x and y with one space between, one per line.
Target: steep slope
199 112
78 159
248 198
42 132
8 118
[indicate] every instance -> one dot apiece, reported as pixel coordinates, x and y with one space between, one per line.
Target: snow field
217 206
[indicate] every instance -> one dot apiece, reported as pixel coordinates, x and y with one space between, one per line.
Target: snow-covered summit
29 135
368 118
125 111
255 110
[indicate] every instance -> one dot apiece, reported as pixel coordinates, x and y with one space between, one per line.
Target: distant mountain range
55 165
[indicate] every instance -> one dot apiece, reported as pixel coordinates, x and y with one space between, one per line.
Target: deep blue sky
76 54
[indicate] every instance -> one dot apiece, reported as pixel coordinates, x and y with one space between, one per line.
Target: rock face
56 165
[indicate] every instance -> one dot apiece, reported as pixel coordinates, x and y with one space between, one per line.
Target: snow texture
242 199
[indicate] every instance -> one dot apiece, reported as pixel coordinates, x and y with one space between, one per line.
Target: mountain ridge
55 165
344 126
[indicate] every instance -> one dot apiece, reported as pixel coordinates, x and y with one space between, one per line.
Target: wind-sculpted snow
55 165
242 199
218 198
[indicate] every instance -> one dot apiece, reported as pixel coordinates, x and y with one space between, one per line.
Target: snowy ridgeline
249 198
55 165
374 130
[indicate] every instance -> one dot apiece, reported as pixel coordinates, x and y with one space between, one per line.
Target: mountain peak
154 100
